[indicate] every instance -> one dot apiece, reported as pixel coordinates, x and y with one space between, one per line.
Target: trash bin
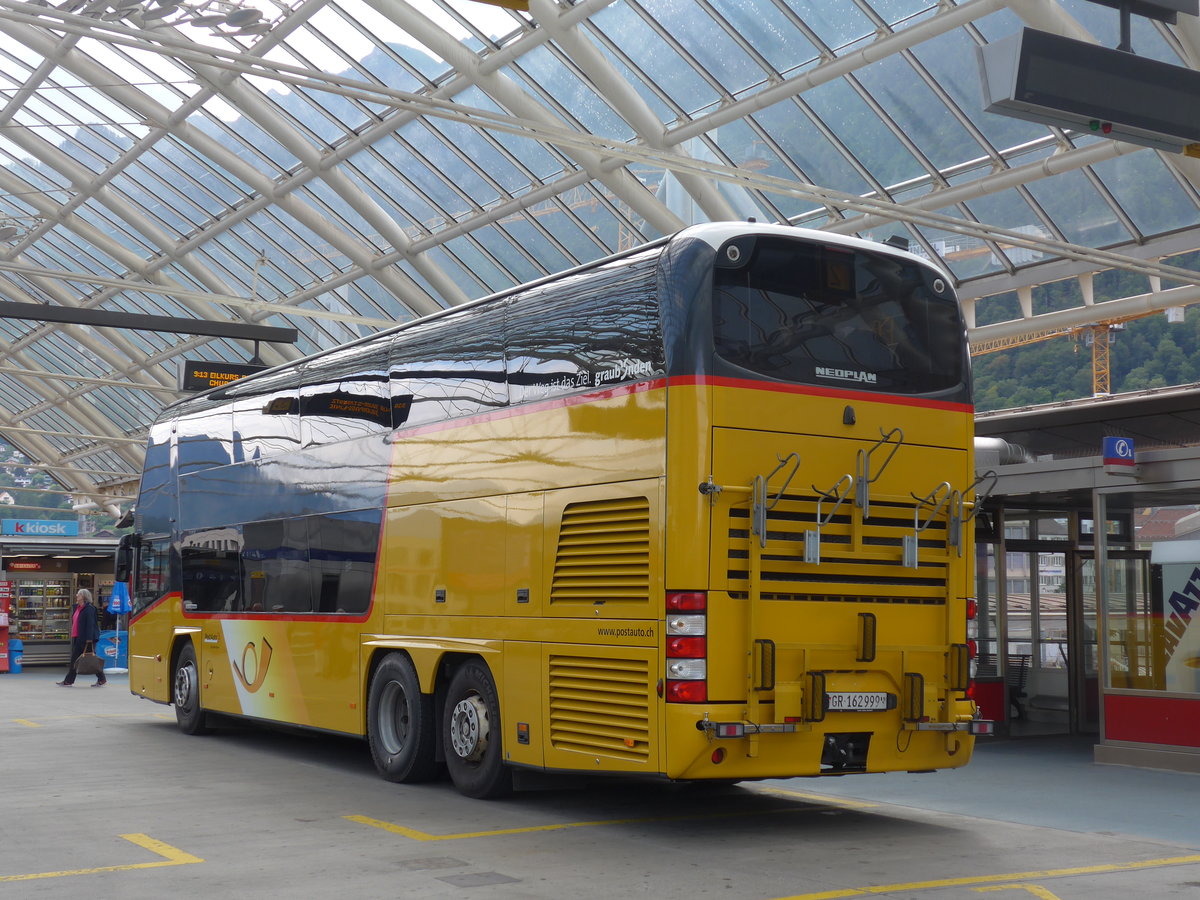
16 649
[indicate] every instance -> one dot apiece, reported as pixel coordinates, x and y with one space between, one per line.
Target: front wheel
471 734
400 722
185 693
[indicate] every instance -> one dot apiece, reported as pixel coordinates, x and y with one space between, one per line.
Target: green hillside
1146 353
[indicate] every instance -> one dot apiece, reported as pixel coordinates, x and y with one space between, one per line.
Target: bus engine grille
600 706
603 552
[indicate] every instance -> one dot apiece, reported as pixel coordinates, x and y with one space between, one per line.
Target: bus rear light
687 691
681 647
729 729
972 649
687 600
687 669
686 624
972 608
687 647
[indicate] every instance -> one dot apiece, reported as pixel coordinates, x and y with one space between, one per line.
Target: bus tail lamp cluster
687 647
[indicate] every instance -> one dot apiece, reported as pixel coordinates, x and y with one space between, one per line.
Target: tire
401 729
185 693
471 733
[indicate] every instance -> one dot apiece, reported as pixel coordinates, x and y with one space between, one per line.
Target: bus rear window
831 316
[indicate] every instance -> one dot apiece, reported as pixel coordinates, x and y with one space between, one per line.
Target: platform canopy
337 166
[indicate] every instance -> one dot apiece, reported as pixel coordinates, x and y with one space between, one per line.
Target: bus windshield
837 317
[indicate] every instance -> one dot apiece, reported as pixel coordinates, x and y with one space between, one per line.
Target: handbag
89 663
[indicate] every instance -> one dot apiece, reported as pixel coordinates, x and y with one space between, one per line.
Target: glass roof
336 167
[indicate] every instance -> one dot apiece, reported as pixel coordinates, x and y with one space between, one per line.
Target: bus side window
205 439
275 566
156 506
342 549
266 416
349 398
211 565
447 369
598 329
150 578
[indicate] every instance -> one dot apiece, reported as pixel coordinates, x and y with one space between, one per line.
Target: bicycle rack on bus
936 500
858 485
863 477
761 504
961 512
812 536
962 516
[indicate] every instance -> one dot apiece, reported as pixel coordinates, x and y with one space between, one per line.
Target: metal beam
103 318
75 435
128 384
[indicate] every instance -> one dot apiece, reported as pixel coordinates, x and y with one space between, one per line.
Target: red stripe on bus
817 391
141 612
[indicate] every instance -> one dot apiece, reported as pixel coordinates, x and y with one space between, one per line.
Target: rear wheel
400 722
185 693
471 734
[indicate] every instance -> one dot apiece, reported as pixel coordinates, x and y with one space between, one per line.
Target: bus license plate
856 701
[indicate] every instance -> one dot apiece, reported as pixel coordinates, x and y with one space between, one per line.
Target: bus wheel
471 734
400 722
186 694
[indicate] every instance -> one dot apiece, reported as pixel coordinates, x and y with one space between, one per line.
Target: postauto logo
39 527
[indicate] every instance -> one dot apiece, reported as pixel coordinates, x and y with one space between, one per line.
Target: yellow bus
700 510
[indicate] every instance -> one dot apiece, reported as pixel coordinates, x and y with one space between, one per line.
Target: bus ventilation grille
600 706
603 552
872 571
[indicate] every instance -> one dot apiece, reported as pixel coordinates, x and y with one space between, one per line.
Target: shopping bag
89 663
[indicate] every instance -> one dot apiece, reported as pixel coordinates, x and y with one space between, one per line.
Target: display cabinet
42 609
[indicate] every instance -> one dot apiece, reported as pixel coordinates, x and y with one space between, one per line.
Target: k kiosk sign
39 527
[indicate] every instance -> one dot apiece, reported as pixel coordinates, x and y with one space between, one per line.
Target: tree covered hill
1147 353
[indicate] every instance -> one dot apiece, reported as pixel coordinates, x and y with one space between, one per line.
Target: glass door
1127 588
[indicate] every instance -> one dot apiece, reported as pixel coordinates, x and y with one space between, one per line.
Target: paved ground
104 798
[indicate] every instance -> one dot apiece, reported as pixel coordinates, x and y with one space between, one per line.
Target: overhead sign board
1120 457
1163 10
39 527
1047 78
202 375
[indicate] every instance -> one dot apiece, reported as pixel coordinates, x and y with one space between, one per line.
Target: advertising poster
1180 561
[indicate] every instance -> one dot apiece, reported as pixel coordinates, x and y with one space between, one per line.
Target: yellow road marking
819 798
993 879
416 835
173 856
32 724
1036 889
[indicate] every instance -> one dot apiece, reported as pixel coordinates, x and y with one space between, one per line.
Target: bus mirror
123 564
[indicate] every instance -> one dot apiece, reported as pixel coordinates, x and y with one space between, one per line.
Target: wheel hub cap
183 686
469 728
